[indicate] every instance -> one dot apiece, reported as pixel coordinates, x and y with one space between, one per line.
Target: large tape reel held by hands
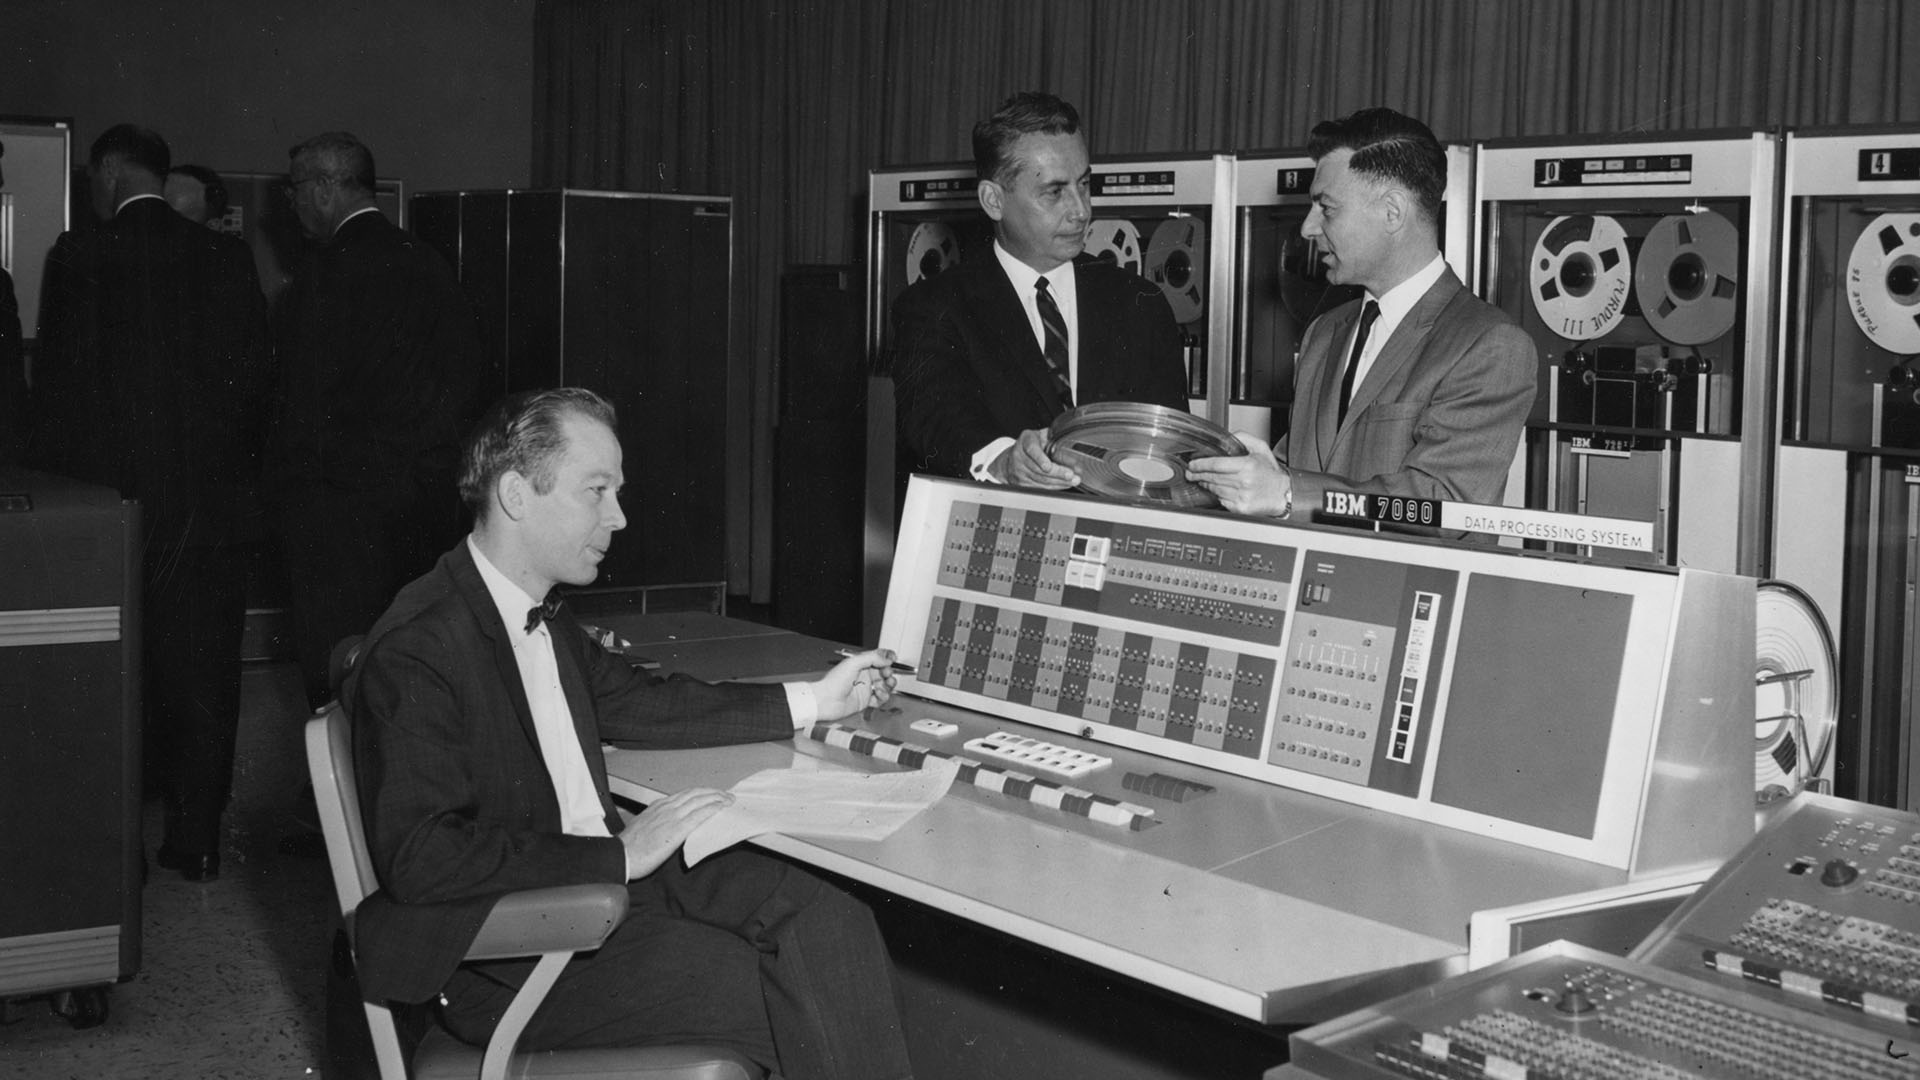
1138 452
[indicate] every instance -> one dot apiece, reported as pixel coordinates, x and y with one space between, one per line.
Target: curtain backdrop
785 105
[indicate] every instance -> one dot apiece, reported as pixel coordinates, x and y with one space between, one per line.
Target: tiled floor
232 976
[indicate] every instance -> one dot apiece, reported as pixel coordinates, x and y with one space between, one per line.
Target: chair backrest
330 760
337 796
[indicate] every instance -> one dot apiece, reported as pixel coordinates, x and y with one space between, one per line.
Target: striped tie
1056 330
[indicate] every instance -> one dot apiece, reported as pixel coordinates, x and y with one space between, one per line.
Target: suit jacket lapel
1400 349
474 592
1327 394
1007 321
1094 330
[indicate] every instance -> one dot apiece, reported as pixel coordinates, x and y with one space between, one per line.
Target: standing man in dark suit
989 352
1419 387
151 378
378 350
479 709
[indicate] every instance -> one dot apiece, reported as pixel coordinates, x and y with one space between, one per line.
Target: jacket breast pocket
1387 430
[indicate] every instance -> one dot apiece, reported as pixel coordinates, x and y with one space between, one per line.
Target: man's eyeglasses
290 187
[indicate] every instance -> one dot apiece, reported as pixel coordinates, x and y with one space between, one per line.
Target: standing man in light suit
989 352
1418 388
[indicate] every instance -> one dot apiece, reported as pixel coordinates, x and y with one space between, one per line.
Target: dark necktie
545 610
1367 315
1056 330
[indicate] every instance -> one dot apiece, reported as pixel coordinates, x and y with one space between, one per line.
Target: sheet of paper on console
827 803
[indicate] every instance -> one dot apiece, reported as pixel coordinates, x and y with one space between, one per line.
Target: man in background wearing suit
378 351
151 377
1418 388
479 709
989 352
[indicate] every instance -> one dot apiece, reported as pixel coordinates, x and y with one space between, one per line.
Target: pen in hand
898 667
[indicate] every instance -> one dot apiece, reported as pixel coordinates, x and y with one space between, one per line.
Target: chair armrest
568 918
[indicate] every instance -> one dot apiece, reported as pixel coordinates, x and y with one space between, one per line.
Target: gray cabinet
625 294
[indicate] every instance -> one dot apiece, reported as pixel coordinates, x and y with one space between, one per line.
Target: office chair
552 924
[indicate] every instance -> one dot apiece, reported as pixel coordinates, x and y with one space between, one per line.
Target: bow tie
542 611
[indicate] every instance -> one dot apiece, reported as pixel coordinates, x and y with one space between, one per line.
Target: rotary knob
1574 1002
1838 874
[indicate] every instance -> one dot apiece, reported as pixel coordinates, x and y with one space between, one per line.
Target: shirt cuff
801 703
986 456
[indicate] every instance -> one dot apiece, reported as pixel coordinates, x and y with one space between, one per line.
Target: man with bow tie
479 707
1418 388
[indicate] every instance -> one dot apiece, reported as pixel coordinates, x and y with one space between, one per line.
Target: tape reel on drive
1686 277
1796 695
1580 274
1138 452
1177 262
1116 240
1883 282
931 249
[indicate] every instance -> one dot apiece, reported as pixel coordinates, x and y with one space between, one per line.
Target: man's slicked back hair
1388 147
134 145
1030 112
524 433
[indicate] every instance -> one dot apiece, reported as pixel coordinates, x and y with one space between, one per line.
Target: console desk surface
1272 905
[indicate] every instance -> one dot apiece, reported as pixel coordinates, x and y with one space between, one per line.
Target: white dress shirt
1393 307
566 760
1060 282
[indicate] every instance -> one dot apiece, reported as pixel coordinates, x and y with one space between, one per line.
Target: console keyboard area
1684 1037
1839 950
1035 754
1566 1012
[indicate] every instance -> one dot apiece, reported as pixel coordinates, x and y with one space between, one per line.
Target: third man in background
1418 388
378 348
989 352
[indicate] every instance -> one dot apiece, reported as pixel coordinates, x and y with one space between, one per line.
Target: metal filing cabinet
69 741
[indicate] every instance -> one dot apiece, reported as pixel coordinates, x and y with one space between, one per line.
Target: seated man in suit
479 707
1419 388
987 353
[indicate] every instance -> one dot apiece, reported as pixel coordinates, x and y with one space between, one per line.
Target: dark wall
441 90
